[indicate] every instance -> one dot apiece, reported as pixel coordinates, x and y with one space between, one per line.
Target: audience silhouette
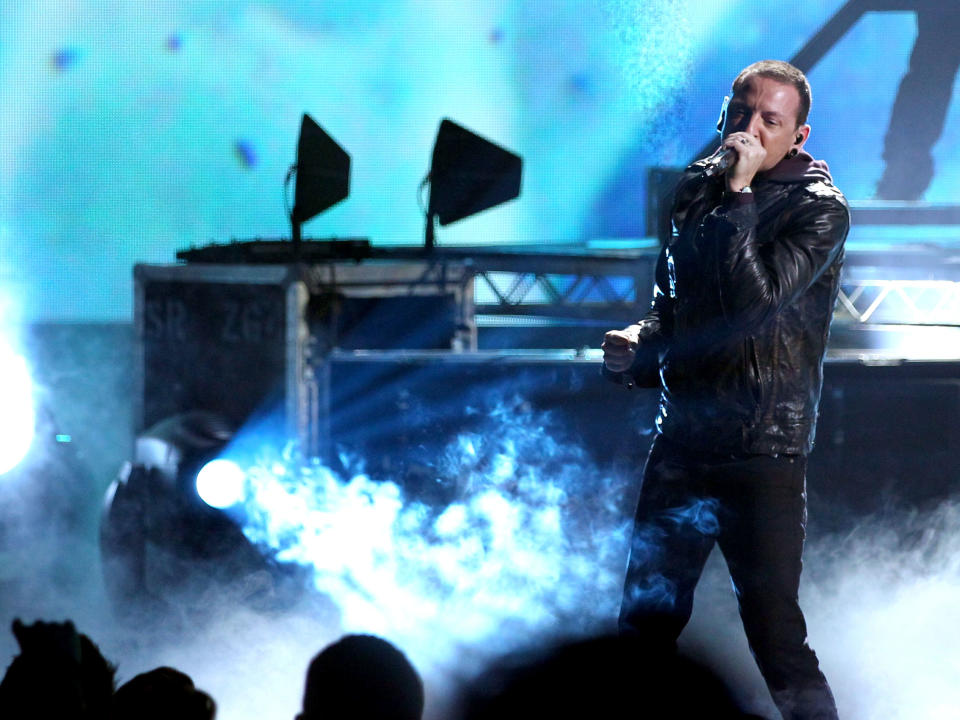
603 677
59 673
162 694
362 676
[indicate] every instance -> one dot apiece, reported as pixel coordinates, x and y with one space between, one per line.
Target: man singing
735 339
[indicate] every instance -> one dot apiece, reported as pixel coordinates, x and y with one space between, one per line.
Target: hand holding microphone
740 157
718 163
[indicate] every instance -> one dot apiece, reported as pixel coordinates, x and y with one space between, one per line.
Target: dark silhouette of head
598 678
162 694
362 676
58 673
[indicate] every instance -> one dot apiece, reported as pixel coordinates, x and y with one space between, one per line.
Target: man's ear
803 132
723 113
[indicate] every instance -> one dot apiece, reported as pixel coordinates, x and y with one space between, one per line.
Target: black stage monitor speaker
469 174
323 172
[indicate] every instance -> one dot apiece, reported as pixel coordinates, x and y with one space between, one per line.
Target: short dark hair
781 72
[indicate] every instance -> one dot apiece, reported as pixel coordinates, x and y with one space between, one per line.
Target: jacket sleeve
653 330
755 280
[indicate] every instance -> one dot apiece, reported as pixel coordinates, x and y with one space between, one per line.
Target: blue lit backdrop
131 130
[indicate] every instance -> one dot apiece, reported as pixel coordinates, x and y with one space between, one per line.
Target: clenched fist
620 348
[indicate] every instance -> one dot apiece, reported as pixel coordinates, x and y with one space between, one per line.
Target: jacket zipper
757 377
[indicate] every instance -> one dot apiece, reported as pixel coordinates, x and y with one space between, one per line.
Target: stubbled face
767 109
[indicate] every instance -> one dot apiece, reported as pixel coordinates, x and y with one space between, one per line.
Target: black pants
754 506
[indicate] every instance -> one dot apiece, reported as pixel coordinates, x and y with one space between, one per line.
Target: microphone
718 163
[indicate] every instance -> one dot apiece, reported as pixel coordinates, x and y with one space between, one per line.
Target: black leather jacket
745 291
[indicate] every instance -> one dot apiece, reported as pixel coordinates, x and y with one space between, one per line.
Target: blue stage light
220 483
18 419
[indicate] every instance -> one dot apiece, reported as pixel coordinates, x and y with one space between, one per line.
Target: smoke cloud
523 549
530 544
884 605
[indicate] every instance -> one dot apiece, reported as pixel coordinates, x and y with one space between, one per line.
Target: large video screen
131 130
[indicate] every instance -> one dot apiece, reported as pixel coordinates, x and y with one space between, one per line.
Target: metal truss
894 286
869 301
513 292
572 286
871 292
902 302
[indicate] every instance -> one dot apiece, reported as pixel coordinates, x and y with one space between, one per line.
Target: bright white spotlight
220 483
17 415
